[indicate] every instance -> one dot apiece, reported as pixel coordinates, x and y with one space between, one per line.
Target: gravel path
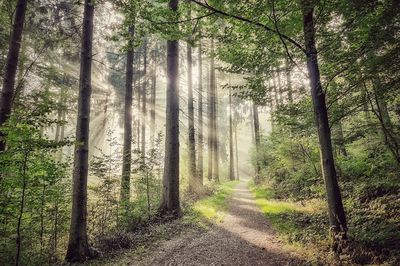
243 238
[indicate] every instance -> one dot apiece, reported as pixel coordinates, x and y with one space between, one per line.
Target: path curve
243 238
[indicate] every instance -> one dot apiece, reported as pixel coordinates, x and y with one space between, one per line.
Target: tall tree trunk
231 158
210 126
191 138
257 141
337 218
7 94
214 96
127 149
139 92
253 139
271 106
153 99
78 246
200 121
170 197
144 100
237 152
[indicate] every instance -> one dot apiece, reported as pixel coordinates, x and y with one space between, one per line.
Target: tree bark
153 99
127 148
231 155
78 246
139 92
337 218
200 121
210 127
144 100
191 138
7 94
237 152
257 141
170 197
213 86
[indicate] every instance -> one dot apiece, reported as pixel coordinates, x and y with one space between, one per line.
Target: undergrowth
197 213
373 227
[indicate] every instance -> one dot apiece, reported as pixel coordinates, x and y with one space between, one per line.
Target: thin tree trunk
257 141
7 94
253 139
210 127
139 92
144 101
237 152
78 246
200 121
191 138
153 99
337 218
170 197
231 158
214 96
127 148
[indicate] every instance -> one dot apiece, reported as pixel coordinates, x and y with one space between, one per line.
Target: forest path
243 238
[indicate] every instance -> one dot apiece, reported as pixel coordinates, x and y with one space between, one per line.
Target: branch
249 21
181 21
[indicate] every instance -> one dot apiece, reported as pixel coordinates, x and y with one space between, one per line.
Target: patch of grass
300 225
212 207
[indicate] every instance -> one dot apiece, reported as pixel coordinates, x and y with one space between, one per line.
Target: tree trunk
214 96
144 101
139 92
253 140
237 152
337 218
200 121
210 127
127 148
231 158
153 99
191 138
78 246
257 141
7 94
170 197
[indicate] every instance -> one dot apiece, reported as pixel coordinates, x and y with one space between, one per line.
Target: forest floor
242 237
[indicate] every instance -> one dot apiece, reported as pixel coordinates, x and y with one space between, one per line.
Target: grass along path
301 226
226 228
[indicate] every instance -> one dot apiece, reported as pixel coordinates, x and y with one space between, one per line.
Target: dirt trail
243 238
